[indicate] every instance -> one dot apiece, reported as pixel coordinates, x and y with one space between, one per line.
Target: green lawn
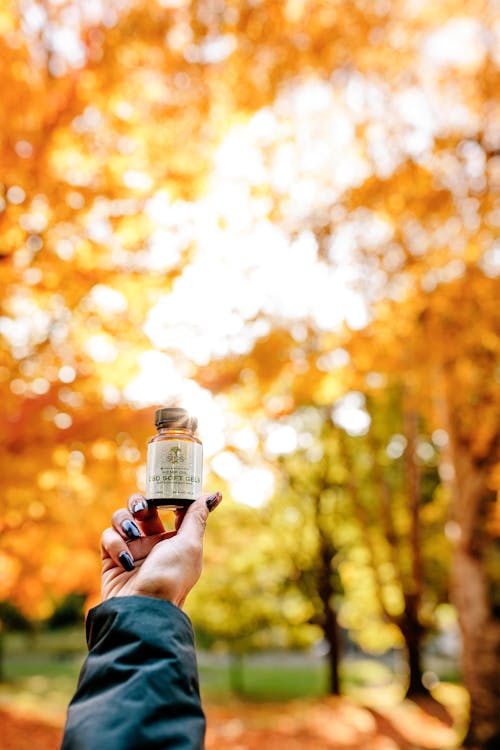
43 670
261 683
280 680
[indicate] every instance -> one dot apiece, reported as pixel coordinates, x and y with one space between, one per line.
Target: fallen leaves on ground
22 732
330 724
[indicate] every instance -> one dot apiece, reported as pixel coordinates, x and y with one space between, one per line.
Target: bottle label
174 470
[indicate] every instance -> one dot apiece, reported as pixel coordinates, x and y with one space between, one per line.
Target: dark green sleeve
138 688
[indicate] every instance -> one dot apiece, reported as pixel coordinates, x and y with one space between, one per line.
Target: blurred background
284 216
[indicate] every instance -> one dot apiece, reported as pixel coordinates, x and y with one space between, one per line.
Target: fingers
115 547
179 517
191 525
123 522
212 501
127 555
145 515
140 548
124 544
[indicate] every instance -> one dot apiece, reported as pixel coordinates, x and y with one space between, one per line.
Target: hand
140 558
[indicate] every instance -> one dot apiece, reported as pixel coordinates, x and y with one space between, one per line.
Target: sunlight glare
227 465
107 300
460 43
245 439
254 488
160 383
281 439
247 265
101 349
350 414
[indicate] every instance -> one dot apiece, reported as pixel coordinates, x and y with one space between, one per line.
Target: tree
453 382
244 602
106 151
307 517
63 487
365 530
396 497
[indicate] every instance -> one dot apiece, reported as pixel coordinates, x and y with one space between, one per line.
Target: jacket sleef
138 688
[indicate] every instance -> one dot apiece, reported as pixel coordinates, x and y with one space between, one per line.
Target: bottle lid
174 416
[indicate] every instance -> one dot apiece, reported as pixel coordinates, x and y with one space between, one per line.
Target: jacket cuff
154 626
121 611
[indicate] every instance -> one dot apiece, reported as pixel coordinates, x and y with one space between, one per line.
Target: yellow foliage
87 144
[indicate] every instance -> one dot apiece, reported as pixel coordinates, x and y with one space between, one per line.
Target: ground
327 724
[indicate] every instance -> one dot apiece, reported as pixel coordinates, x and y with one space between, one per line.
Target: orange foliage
137 106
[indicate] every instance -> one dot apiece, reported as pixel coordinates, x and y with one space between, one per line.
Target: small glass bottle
175 460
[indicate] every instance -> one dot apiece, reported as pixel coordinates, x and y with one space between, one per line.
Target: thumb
192 524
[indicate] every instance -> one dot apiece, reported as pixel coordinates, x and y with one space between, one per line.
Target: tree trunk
332 635
480 649
2 653
479 624
412 632
411 627
329 619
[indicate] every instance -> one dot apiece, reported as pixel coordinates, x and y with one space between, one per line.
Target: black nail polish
126 560
213 501
131 530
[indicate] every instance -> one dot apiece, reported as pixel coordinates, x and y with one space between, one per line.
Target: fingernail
213 501
126 560
131 530
140 504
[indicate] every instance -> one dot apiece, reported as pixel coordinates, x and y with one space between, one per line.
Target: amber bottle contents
175 460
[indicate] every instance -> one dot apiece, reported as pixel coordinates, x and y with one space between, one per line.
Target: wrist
161 591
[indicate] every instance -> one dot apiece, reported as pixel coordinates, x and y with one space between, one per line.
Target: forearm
139 685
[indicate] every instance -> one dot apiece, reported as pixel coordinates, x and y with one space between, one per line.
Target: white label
174 470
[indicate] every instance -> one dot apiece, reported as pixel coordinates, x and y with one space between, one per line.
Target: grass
42 671
265 683
280 680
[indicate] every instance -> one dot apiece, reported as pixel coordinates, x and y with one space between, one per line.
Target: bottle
175 460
